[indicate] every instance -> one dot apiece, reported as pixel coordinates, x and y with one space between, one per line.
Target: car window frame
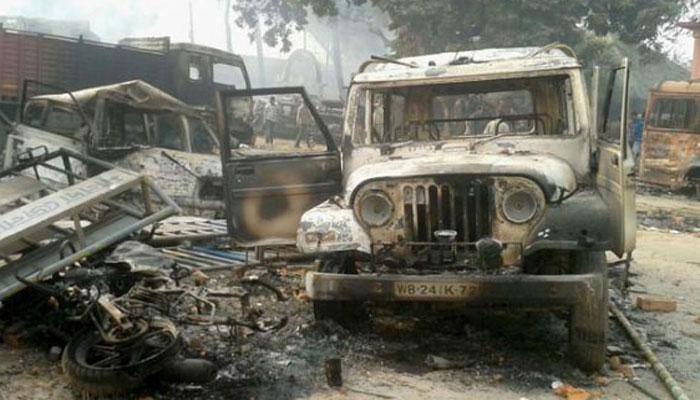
653 118
210 133
156 132
573 109
50 106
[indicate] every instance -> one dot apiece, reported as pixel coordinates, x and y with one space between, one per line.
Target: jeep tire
345 313
589 318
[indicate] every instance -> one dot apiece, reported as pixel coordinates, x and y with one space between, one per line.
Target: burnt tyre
589 318
347 314
98 365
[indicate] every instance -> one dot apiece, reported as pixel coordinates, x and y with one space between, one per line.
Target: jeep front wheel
345 313
589 318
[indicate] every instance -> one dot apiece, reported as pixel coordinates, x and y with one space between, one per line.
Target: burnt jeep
480 178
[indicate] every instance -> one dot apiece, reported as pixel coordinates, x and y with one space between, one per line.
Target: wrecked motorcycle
129 321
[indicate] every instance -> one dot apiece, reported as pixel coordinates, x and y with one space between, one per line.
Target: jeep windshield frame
401 112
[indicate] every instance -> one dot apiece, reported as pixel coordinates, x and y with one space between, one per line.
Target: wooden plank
34 216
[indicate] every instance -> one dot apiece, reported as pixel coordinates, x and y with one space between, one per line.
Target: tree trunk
261 60
336 54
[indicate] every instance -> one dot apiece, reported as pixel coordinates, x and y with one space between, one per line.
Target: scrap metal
53 217
190 176
175 230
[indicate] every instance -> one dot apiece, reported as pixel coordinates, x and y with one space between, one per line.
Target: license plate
426 290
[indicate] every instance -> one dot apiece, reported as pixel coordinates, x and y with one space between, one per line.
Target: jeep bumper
483 290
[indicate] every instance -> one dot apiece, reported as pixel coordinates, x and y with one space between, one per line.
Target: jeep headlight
519 206
375 208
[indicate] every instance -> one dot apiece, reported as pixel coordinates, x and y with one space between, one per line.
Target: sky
112 20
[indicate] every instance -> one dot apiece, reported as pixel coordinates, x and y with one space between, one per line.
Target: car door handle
245 170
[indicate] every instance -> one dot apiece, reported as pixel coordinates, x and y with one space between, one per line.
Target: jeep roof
450 65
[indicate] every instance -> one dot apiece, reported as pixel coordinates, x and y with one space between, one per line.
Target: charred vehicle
188 71
479 178
135 126
671 147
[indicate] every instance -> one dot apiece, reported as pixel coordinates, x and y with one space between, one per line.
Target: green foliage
635 21
279 18
438 25
426 27
648 68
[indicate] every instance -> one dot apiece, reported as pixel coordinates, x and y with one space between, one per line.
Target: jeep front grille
463 207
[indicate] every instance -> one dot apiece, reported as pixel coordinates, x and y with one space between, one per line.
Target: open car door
279 160
615 163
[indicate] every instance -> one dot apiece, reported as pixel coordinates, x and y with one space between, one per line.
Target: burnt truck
670 154
188 71
477 178
133 125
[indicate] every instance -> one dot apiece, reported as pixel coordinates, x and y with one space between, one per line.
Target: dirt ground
501 354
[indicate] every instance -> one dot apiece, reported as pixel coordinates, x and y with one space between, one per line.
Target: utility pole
191 23
227 22
695 28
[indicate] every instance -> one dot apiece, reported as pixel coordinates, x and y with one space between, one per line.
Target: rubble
602 381
186 229
200 278
53 216
656 304
334 372
437 362
569 392
55 353
615 363
614 350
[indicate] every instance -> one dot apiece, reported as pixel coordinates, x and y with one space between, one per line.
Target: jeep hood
554 175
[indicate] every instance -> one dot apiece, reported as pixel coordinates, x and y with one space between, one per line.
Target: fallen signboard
52 216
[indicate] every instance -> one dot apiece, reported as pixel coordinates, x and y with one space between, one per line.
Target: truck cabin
204 70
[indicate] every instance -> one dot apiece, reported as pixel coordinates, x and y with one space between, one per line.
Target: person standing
637 133
271 116
304 125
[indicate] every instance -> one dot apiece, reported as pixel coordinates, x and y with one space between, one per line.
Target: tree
280 17
438 25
